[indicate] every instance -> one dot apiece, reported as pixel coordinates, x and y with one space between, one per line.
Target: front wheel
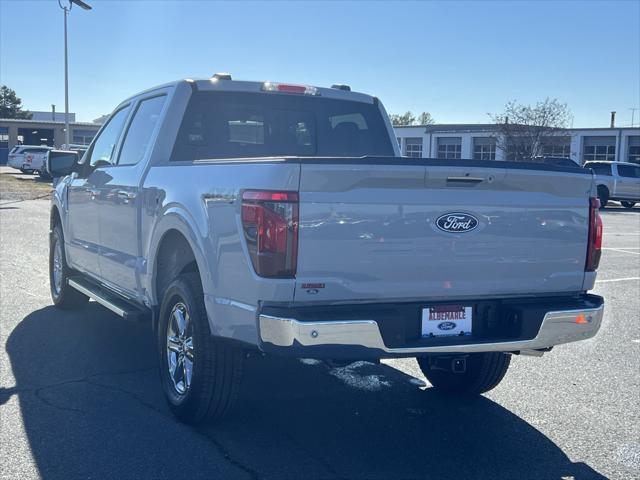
200 375
63 295
483 372
628 204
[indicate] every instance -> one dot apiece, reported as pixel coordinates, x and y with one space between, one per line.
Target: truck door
82 240
120 199
628 181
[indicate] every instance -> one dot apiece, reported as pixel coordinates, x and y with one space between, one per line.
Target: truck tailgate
370 231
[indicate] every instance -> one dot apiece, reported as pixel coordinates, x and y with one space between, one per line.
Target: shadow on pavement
92 407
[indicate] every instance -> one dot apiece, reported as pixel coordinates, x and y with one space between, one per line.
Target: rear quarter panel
202 201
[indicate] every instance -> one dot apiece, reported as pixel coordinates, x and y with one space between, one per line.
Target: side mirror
61 163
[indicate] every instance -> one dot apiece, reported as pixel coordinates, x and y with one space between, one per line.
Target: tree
405 119
409 118
425 118
11 105
524 130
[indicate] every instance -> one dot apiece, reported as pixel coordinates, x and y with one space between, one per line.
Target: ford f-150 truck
281 218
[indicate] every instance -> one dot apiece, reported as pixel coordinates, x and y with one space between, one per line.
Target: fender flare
176 218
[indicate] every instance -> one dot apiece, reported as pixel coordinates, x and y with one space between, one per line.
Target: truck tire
603 195
626 204
484 371
62 294
200 374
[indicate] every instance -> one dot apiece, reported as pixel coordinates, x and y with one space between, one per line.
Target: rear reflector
270 224
594 247
288 88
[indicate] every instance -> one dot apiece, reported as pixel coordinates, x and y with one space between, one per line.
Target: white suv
28 158
617 181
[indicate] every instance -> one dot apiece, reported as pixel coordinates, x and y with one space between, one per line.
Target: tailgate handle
465 179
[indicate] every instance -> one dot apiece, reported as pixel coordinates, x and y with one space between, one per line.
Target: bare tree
524 130
408 118
425 118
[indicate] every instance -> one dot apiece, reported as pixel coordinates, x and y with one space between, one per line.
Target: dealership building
44 128
472 141
478 141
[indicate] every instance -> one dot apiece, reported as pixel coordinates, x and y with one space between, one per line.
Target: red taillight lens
270 224
594 247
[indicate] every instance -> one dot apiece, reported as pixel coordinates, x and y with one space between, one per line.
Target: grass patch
15 185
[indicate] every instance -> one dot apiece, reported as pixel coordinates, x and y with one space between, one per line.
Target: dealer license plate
446 320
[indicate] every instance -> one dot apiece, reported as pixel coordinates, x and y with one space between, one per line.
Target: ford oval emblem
456 222
446 326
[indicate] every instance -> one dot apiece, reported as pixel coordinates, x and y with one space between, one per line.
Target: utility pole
66 7
633 115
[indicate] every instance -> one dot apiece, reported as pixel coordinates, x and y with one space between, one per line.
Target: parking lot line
608 280
622 250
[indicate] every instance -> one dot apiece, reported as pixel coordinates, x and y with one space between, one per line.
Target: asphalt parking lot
80 397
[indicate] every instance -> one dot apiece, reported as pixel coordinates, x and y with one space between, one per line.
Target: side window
138 136
104 146
601 168
629 171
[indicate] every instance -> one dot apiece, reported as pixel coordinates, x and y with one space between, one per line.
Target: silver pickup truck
616 181
281 218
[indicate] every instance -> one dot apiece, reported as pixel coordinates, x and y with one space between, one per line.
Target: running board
113 302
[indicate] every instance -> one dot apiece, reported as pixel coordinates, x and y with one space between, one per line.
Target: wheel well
174 258
604 187
55 218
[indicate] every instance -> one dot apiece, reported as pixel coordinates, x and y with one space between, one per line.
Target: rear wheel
603 195
200 374
628 204
483 372
62 294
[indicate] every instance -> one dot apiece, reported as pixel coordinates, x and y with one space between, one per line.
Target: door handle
465 179
126 195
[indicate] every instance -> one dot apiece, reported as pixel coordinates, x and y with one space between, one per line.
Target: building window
600 152
449 147
557 150
599 148
83 137
4 137
484 148
633 151
413 147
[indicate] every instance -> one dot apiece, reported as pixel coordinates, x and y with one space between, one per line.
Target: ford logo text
457 222
446 326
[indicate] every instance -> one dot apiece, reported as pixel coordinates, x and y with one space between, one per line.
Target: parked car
237 216
618 181
28 158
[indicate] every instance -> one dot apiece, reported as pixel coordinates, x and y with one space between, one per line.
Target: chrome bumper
557 327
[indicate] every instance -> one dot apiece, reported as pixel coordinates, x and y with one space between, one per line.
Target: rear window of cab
245 125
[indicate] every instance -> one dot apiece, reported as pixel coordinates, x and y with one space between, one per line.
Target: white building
478 141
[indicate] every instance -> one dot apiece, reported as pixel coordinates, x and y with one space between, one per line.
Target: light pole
633 115
66 5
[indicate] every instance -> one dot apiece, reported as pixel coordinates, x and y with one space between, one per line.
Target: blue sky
457 60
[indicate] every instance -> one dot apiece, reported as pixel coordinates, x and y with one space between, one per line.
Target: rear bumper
362 338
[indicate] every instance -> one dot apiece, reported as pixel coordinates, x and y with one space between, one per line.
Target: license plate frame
451 320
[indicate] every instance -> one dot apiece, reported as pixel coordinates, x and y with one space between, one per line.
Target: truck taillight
594 247
270 224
